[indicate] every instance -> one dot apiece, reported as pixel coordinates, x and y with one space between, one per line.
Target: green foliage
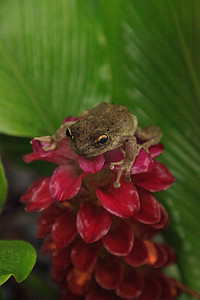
17 258
58 58
1 296
51 64
156 60
41 287
3 187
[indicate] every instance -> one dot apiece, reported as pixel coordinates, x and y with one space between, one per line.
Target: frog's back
107 109
116 118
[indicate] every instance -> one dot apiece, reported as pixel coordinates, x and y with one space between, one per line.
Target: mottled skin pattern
113 120
118 125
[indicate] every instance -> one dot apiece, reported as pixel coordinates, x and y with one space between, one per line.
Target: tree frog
103 128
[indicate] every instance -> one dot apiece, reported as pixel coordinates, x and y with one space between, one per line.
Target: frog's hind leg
84 113
152 135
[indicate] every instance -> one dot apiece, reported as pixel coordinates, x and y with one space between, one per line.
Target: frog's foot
143 146
47 139
84 113
117 163
125 166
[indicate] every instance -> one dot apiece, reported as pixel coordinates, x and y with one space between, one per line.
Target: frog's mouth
77 150
87 150
74 148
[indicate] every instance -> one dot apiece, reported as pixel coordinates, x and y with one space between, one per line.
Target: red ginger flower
98 234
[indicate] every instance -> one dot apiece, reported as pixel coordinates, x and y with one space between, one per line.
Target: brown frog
103 128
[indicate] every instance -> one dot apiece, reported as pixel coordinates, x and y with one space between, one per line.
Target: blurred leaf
52 64
3 187
13 144
1 295
12 150
155 57
17 258
41 287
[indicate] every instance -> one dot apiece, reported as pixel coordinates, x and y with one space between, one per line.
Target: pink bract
100 236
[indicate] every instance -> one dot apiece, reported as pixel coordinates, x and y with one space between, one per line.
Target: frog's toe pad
127 178
117 184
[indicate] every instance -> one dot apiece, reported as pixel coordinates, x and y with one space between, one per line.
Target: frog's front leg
127 163
152 135
54 139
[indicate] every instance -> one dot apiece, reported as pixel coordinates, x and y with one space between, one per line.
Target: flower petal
112 156
60 155
158 179
78 282
67 295
162 256
156 150
38 197
84 256
92 165
71 119
143 163
59 277
172 257
92 222
108 273
131 285
138 255
64 229
61 259
152 252
65 183
31 157
46 220
48 245
149 208
98 293
119 240
151 290
169 291
164 220
122 202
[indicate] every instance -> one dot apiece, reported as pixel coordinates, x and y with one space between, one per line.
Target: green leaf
17 258
41 287
1 296
155 57
3 186
52 64
13 149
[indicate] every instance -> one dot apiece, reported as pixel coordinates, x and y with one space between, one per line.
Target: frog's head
91 138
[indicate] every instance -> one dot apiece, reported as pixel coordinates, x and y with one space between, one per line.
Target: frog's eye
69 133
102 139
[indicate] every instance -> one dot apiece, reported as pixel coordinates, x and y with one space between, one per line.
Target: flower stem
186 289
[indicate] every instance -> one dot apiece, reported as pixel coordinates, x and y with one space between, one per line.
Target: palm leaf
52 64
158 59
60 57
3 186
